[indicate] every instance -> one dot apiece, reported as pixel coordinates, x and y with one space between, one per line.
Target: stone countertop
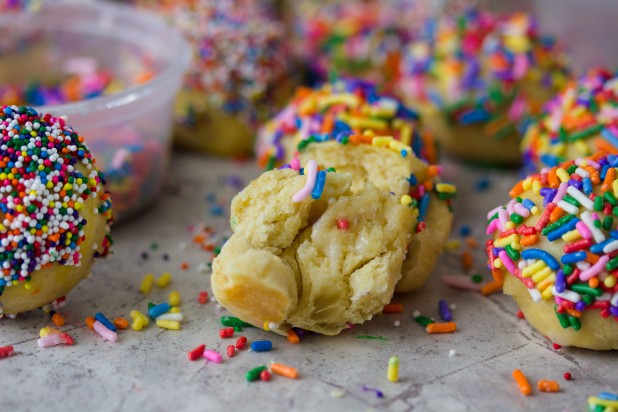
149 370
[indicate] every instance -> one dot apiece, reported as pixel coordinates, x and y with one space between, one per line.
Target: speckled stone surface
149 370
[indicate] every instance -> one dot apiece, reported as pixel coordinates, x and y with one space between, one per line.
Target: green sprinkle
586 133
572 169
446 196
610 198
575 323
271 163
254 373
516 218
597 224
369 337
154 246
567 269
615 211
612 264
588 299
563 220
562 318
423 320
504 131
236 323
513 254
477 278
608 222
570 199
495 216
598 203
331 170
586 290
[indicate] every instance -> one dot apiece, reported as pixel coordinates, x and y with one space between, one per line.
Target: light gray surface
149 370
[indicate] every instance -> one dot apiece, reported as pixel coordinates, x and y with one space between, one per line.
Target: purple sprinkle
378 393
581 305
445 311
613 310
576 183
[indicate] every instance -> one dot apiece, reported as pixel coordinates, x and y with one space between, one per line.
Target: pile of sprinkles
579 121
347 111
473 68
579 206
239 54
42 191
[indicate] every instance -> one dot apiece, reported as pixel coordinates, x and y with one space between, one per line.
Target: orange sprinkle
184 266
293 337
491 287
57 319
466 260
574 313
498 275
517 190
593 282
393 308
610 176
529 240
433 171
445 327
522 382
471 242
90 322
556 214
604 146
546 385
328 123
121 323
284 370
591 258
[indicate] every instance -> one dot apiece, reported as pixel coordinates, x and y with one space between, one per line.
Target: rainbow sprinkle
580 120
573 205
43 191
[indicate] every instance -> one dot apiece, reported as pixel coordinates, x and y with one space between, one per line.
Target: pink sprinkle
509 207
461 282
105 333
493 211
213 356
493 225
517 109
562 189
595 269
521 210
507 262
503 218
583 230
54 339
295 164
310 171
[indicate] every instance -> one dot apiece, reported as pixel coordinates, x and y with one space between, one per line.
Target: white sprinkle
337 393
452 353
396 323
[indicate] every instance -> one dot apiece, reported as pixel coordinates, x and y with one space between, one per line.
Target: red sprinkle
520 315
265 375
421 226
342 224
6 351
230 351
203 298
66 339
241 342
556 346
226 333
196 353
567 376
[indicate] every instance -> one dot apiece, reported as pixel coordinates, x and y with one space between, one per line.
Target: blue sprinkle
542 255
319 185
412 180
482 184
474 116
422 207
573 257
604 171
217 210
598 248
550 160
106 322
567 227
465 231
404 153
613 160
211 197
560 283
528 204
261 345
587 185
610 137
158 310
445 311
608 396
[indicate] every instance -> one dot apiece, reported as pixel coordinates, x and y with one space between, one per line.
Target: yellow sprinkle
399 147
610 281
498 263
615 187
547 294
453 244
265 326
136 314
174 298
559 149
405 136
562 175
138 324
533 268
603 402
541 275
405 200
146 284
516 246
367 123
43 332
509 225
175 309
502 242
571 236
527 183
392 373
582 147
536 187
445 188
168 324
381 141
164 280
349 99
535 210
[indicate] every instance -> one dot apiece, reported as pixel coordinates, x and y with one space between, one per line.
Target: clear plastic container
130 131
